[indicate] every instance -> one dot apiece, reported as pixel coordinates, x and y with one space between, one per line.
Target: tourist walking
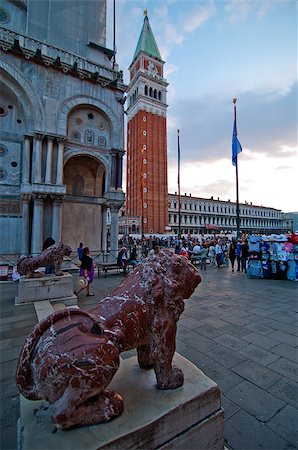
232 254
218 254
238 254
86 271
211 254
203 256
80 251
244 255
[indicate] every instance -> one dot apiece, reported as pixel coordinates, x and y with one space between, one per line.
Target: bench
105 267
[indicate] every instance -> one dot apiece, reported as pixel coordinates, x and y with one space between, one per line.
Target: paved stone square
241 332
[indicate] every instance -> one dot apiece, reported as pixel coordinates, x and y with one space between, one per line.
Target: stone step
43 309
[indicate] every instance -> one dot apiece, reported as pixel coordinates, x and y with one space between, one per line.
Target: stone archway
84 177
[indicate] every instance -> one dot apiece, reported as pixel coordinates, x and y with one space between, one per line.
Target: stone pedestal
190 417
50 287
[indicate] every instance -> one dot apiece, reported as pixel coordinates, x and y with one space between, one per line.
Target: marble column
114 170
37 232
37 154
26 160
104 229
25 198
119 170
57 215
48 178
59 178
114 208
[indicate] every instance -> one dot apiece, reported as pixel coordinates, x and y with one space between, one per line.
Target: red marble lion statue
71 357
51 255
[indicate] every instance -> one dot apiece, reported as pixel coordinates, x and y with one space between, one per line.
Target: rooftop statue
71 357
51 255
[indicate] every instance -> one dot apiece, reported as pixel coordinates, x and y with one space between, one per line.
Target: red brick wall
156 182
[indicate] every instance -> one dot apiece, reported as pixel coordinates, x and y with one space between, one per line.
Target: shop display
274 257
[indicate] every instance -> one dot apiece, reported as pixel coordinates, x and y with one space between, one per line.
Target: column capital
61 139
39 136
57 199
28 136
25 198
39 198
113 206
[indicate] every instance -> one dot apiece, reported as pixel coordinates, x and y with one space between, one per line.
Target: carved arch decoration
32 106
81 100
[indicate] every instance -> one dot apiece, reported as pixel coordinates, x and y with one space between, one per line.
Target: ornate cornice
60 60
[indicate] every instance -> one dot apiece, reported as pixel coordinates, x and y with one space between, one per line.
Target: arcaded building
214 216
61 132
146 180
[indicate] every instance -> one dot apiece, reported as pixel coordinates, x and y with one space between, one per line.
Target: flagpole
237 184
179 203
114 34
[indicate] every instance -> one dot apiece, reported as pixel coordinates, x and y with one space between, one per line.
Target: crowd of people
221 252
247 254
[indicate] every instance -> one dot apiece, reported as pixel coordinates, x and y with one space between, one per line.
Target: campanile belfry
146 180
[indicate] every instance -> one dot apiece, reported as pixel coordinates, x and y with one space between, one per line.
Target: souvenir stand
274 257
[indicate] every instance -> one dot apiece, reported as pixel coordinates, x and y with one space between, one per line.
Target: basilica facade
62 116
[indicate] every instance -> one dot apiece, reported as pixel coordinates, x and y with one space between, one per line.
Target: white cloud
198 17
239 10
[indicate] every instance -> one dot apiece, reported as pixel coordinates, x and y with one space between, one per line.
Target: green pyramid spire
146 42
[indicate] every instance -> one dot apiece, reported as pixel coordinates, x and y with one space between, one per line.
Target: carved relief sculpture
52 255
71 357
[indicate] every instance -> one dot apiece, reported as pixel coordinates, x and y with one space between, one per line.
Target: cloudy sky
215 50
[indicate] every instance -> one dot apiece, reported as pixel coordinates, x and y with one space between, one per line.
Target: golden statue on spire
145 12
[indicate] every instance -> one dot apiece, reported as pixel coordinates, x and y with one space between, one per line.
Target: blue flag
236 146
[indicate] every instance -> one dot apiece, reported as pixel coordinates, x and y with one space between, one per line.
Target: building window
102 141
144 118
3 111
89 136
78 185
144 133
145 161
146 90
144 147
3 150
4 16
159 95
150 92
75 136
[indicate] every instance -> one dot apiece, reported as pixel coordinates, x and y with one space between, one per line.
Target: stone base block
51 288
189 417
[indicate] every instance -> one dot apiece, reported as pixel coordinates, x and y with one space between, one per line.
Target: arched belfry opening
84 178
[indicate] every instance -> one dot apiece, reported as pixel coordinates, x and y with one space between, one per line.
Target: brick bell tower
146 172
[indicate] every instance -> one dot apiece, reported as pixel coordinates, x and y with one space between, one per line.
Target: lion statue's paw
174 380
98 409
